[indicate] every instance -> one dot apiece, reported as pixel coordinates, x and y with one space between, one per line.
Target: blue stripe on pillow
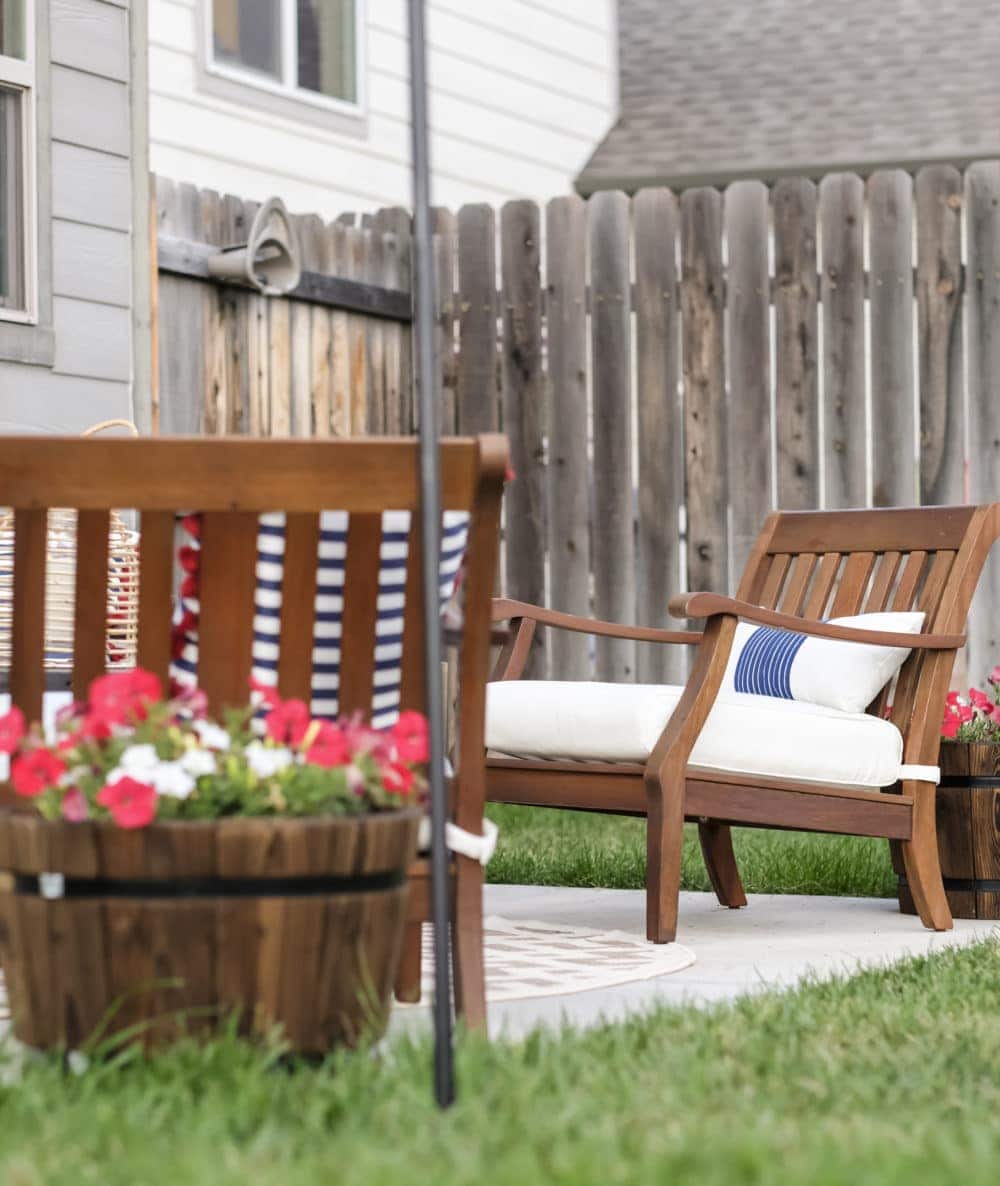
764 667
331 561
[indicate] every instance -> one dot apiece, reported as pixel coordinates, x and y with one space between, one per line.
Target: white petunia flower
170 778
197 762
138 760
266 761
212 736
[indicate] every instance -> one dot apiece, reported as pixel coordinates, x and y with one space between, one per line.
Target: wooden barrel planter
175 927
968 827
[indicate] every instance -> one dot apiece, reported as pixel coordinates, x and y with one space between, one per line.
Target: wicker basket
60 585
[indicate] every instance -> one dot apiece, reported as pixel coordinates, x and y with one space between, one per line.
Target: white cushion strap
921 773
466 844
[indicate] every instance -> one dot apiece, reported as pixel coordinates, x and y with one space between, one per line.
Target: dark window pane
327 48
12 295
248 33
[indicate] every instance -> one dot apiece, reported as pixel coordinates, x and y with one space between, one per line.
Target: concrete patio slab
778 941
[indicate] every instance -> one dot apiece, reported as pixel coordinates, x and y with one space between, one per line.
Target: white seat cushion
744 734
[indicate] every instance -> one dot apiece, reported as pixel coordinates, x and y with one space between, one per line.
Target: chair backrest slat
361 596
90 617
413 687
822 586
226 597
937 576
298 605
797 584
881 587
909 581
853 584
156 574
27 669
774 581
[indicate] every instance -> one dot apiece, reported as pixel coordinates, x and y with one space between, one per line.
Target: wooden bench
804 567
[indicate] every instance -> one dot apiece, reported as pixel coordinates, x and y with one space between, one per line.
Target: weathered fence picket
667 367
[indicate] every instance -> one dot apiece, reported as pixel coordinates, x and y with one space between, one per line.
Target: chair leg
922 862
720 861
469 969
410 964
664 842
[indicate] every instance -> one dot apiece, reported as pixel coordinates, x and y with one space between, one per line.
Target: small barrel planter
172 928
968 828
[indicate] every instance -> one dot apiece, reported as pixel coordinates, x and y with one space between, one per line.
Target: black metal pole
430 506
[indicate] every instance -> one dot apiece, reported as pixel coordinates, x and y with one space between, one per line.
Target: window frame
22 74
282 91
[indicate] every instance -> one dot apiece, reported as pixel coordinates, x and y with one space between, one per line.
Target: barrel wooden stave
320 964
968 825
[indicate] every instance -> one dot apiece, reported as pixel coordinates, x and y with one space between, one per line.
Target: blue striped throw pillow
331 564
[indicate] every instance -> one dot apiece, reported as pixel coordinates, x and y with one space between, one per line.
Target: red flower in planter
397 778
288 721
410 737
329 748
74 805
124 697
980 700
35 772
269 697
12 730
132 803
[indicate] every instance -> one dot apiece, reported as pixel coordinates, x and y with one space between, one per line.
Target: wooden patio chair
231 482
805 567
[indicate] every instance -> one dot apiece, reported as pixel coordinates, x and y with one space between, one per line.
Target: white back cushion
846 676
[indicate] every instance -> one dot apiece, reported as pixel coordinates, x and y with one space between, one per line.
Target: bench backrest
230 482
825 564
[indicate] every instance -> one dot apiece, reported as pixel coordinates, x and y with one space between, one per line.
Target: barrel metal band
51 886
977 781
967 885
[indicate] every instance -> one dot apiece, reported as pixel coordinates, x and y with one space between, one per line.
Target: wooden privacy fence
668 368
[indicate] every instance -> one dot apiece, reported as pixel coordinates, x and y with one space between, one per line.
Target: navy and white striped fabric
764 666
330 605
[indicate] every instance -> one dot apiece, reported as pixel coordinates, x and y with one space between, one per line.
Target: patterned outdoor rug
537 959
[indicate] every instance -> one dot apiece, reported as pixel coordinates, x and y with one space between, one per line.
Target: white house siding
521 91
88 82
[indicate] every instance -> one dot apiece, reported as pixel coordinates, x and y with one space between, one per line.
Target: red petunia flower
410 737
12 730
950 726
397 778
124 697
269 697
288 721
980 700
35 772
132 803
329 748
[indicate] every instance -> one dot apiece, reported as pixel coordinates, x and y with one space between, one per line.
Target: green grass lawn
891 1077
539 846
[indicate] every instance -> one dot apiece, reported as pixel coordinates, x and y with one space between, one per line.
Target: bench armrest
709 605
526 617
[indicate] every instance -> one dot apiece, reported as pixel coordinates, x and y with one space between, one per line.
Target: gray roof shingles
717 89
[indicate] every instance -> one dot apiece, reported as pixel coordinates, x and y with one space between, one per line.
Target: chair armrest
709 605
505 610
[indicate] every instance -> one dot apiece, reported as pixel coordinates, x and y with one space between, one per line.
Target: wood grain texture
477 398
982 200
612 533
747 230
226 604
298 606
568 471
659 417
90 617
27 642
156 576
841 215
704 390
523 393
938 200
890 245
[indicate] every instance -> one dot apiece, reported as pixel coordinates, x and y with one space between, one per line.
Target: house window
17 281
307 49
